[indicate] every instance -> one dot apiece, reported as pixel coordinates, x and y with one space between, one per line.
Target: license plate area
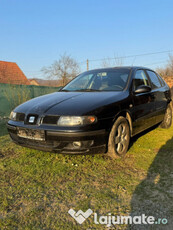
38 135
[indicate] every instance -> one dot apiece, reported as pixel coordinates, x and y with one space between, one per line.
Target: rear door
159 94
143 104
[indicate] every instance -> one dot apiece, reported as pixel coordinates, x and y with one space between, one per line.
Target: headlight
76 120
13 116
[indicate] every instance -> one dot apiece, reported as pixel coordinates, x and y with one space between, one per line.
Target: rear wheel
167 121
119 138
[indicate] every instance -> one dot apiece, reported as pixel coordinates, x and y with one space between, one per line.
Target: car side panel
160 103
143 111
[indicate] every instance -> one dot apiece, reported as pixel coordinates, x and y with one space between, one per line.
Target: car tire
167 121
119 138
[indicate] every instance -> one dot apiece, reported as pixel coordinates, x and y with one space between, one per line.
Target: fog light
77 144
91 143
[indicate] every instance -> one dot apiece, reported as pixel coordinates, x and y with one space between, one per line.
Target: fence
13 95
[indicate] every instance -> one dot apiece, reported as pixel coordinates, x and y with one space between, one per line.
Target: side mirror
142 89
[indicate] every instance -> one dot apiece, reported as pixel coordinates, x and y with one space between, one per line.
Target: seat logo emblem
31 119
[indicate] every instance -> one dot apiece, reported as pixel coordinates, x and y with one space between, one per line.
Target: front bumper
61 141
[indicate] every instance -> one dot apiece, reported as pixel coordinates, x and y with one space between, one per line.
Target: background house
33 82
45 82
10 73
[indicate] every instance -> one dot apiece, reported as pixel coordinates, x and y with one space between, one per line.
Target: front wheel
119 138
167 121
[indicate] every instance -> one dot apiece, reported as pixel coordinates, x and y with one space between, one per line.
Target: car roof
121 67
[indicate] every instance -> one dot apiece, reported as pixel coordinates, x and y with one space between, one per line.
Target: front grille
52 120
20 117
28 119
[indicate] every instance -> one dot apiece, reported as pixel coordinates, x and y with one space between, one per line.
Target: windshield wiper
87 90
64 90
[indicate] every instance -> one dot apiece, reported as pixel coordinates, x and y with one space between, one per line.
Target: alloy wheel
121 138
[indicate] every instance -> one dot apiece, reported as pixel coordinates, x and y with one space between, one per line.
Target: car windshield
99 80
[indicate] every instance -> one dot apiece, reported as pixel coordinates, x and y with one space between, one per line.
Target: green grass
38 188
3 128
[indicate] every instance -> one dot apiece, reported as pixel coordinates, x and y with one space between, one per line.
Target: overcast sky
35 32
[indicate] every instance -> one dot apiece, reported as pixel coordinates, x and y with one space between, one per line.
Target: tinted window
84 81
140 79
100 80
161 80
155 83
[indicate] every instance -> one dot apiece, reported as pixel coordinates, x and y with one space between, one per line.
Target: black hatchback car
98 111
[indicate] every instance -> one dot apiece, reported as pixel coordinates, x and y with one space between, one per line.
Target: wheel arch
126 114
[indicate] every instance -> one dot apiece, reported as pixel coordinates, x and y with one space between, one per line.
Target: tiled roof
10 73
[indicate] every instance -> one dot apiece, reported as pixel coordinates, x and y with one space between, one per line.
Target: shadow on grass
154 195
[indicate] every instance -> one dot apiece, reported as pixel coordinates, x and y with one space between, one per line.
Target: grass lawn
3 128
38 188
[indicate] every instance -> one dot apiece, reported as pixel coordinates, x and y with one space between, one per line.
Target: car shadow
154 195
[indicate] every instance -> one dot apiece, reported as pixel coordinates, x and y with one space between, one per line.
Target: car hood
70 103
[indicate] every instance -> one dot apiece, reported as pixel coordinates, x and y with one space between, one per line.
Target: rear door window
161 80
155 82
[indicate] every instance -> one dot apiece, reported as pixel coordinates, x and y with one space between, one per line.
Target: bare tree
106 63
116 61
167 71
170 65
64 69
161 71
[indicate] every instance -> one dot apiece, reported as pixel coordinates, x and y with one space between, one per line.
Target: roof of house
10 73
